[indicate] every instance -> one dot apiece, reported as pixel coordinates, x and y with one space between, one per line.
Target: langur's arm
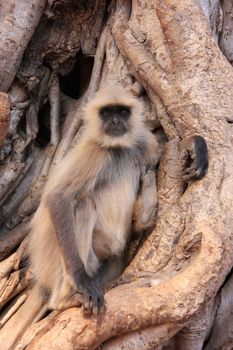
146 203
71 241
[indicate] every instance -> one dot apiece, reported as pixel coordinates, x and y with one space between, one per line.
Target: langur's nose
115 120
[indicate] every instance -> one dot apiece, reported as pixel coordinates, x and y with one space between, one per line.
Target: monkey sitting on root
104 189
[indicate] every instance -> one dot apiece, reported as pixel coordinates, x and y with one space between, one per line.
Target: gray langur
104 189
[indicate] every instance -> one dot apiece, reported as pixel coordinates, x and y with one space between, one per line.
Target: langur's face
115 119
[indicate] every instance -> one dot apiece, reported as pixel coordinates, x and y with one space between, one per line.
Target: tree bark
173 294
4 116
18 23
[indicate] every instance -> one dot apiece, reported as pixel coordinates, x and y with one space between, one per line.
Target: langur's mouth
116 131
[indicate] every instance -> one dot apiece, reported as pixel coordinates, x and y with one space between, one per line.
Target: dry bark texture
19 20
172 295
4 116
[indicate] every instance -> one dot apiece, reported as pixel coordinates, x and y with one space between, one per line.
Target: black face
115 119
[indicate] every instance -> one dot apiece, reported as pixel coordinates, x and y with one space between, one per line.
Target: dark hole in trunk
76 82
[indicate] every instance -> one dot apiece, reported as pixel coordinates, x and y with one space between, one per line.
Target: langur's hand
198 154
92 292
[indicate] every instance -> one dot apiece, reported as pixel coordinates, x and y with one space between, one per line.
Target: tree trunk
177 293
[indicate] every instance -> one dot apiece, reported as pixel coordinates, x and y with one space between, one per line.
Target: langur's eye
105 113
124 112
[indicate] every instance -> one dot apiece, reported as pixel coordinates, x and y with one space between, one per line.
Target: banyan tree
175 56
